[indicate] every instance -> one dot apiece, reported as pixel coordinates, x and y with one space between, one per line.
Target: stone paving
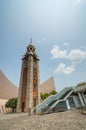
69 120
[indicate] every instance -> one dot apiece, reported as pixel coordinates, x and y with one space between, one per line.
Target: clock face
31 49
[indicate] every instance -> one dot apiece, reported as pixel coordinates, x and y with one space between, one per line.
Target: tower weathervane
30 40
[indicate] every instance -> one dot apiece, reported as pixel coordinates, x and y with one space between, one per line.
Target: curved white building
47 86
7 90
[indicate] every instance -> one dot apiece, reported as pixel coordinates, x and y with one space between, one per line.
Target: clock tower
29 95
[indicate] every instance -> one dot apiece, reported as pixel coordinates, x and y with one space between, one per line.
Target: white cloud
57 53
62 69
76 56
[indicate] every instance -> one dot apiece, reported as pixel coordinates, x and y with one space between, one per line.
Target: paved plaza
69 120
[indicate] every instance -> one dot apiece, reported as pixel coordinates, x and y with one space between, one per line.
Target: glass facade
71 102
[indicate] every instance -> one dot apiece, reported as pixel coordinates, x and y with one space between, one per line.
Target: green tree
46 95
12 103
53 92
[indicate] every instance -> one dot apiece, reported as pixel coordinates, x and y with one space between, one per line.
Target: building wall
2 105
47 86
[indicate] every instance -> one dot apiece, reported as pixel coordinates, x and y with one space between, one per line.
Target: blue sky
58 30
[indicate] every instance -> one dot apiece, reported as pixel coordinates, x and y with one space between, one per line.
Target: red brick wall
24 84
35 80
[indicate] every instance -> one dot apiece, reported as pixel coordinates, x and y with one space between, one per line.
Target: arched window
34 101
23 106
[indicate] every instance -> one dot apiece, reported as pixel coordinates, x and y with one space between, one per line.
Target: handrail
52 99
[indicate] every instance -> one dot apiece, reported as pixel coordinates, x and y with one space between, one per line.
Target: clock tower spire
30 40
